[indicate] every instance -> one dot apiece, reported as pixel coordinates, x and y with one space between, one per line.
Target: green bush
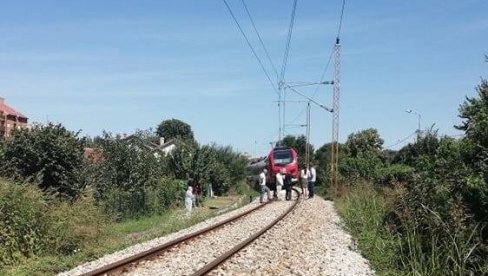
168 193
120 204
364 210
30 226
23 221
75 226
49 156
392 174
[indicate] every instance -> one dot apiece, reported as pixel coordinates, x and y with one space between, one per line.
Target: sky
121 65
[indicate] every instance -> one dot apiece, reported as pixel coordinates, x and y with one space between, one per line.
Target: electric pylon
335 116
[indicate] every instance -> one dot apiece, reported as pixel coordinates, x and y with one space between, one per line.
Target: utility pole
307 150
334 161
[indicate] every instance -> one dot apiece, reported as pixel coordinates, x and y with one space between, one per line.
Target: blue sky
126 65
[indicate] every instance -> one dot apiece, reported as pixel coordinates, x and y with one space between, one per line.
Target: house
157 149
10 119
92 155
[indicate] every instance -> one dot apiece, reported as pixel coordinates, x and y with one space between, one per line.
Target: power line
250 46
260 39
401 141
288 41
326 68
340 21
339 28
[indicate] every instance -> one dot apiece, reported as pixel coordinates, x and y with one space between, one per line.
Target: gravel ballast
309 241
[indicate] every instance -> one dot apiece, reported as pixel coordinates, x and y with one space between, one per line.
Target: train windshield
282 157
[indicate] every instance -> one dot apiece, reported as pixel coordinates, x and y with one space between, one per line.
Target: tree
300 145
50 156
425 146
364 156
474 112
364 142
125 166
175 129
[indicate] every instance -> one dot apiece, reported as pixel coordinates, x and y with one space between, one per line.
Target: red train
282 158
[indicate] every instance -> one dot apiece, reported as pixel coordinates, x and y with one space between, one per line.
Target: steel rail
227 255
123 263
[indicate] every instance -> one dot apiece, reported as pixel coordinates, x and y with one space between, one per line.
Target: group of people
192 197
284 181
308 177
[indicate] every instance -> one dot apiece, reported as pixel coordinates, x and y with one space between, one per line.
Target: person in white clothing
279 184
304 175
262 184
189 200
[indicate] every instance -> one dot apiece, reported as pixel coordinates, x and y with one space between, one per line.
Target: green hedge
29 225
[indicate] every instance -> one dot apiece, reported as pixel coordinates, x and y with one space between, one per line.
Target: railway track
167 251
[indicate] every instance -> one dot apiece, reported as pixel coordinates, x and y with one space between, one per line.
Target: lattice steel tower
334 161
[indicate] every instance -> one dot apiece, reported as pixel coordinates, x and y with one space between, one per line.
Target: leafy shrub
392 174
50 156
364 210
29 226
75 226
120 204
23 221
166 194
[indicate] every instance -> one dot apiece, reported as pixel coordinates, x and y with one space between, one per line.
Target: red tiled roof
10 111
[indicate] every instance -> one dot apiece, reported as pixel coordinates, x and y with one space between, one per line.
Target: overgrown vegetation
423 209
61 197
30 225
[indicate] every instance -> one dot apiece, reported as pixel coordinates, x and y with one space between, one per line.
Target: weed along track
200 252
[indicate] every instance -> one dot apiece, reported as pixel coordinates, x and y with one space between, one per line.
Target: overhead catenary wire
401 141
338 34
326 67
288 42
251 47
260 38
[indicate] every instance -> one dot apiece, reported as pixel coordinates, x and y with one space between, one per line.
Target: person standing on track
287 185
304 175
311 181
262 184
279 183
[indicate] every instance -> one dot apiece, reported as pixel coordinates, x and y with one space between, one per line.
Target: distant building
10 119
92 155
157 149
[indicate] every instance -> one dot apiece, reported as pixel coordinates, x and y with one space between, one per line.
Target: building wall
13 122
10 119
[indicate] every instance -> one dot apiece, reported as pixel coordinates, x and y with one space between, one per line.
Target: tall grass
397 244
30 226
363 211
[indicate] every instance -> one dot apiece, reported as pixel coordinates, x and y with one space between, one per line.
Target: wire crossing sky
125 65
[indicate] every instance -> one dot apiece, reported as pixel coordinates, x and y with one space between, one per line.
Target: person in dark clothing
287 186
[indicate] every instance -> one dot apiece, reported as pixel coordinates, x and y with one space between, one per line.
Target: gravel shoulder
309 241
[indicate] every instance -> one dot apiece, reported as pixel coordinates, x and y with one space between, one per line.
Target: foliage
425 146
123 177
364 210
123 205
175 129
234 162
220 166
300 145
50 156
363 156
390 175
128 167
29 226
365 142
